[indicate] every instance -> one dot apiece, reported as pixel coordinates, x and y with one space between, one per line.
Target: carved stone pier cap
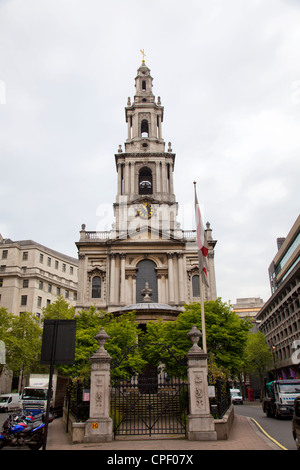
101 337
194 334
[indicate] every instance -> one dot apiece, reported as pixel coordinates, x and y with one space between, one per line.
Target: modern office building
279 318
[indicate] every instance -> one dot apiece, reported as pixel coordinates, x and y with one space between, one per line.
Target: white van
236 396
9 402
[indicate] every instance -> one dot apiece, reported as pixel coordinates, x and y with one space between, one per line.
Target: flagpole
204 347
202 314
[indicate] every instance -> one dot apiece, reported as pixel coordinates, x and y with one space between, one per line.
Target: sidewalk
244 435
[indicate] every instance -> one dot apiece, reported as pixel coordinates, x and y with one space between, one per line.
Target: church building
146 262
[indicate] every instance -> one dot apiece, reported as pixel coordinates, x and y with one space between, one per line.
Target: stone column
112 277
181 278
157 190
171 277
164 178
122 279
82 270
98 428
171 180
134 289
119 178
126 178
201 425
132 186
159 126
129 128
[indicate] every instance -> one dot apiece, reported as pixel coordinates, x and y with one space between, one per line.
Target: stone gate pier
99 426
201 425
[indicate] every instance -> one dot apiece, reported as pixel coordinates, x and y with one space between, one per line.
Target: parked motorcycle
23 430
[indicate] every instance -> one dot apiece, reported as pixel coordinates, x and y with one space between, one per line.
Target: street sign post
58 348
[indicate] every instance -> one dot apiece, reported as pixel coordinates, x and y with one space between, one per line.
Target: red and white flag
201 241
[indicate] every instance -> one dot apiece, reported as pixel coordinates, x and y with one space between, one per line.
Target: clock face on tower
145 210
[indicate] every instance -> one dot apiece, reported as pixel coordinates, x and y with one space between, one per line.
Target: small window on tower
145 181
144 128
144 85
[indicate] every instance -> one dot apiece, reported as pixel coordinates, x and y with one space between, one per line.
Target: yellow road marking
277 443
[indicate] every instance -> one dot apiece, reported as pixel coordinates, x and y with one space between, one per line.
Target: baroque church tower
146 262
145 170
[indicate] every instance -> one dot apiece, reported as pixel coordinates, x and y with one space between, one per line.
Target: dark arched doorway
146 272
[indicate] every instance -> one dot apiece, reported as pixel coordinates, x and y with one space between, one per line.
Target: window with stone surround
96 287
196 286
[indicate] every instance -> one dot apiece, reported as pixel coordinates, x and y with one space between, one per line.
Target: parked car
296 422
9 402
236 397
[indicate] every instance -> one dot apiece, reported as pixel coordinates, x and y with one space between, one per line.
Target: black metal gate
149 405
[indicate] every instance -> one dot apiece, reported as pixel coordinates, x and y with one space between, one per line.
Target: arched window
196 286
145 181
96 287
144 128
146 272
144 85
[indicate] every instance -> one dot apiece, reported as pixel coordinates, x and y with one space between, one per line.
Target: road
278 429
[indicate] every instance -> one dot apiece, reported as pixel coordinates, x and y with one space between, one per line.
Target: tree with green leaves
59 310
23 343
123 333
123 345
5 326
258 356
226 335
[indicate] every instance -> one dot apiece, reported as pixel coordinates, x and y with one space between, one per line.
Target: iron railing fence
221 402
146 405
78 399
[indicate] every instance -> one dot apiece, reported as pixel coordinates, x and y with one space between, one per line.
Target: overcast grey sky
228 74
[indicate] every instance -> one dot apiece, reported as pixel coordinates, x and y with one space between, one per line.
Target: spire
144 116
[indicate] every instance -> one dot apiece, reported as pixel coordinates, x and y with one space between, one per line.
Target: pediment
96 271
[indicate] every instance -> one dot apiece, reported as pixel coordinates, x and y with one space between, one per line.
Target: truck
35 395
279 397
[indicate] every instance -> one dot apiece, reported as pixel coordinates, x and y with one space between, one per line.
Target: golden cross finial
144 55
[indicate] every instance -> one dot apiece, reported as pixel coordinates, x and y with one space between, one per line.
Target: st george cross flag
201 242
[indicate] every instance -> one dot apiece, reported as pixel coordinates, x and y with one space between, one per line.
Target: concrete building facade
32 276
248 307
279 319
146 252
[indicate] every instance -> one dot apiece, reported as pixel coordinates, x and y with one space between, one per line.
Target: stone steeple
145 171
144 116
